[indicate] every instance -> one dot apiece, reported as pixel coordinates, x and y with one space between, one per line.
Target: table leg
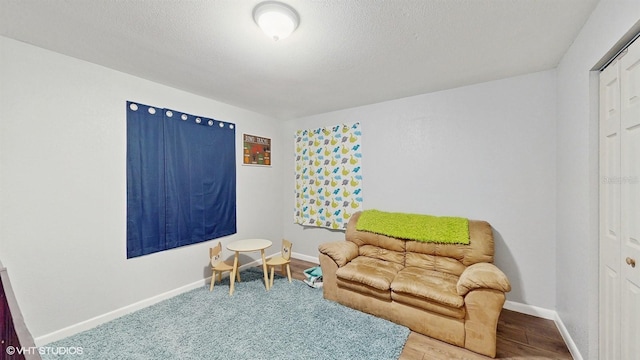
233 273
264 269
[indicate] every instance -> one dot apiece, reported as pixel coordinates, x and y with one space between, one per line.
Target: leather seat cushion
431 285
372 272
435 307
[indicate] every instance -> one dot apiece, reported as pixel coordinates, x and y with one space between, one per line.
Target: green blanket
424 228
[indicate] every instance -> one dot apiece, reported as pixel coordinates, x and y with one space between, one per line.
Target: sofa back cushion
382 253
453 258
374 245
449 258
436 263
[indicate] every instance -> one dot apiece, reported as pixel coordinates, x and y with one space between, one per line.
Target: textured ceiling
345 53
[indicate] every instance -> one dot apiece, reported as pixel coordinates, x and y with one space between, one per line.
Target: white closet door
630 202
610 212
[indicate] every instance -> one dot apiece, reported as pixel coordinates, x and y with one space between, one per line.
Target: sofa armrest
340 251
482 276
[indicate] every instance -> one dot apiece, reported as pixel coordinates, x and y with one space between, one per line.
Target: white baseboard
573 349
308 258
101 319
549 315
530 310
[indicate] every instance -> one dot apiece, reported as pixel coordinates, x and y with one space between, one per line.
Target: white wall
497 151
63 187
577 170
484 152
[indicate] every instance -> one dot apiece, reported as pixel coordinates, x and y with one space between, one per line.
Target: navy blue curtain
181 179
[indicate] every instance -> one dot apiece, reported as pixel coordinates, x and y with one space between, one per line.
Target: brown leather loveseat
450 292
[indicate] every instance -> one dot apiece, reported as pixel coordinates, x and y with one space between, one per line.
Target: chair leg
213 281
220 276
271 280
289 272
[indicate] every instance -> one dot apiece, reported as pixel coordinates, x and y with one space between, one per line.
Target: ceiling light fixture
276 19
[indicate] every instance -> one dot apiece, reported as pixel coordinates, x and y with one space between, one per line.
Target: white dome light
276 19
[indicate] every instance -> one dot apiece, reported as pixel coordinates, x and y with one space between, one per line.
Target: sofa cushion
480 248
432 285
372 272
426 304
364 290
366 238
381 253
436 263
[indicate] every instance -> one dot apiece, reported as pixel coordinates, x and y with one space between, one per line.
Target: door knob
631 262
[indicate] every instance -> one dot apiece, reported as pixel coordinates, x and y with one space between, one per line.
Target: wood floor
520 336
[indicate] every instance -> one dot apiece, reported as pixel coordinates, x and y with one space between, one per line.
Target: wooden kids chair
282 260
219 266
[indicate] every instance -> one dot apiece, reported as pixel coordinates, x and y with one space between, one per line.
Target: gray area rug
291 321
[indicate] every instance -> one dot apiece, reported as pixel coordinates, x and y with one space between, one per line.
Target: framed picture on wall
256 150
